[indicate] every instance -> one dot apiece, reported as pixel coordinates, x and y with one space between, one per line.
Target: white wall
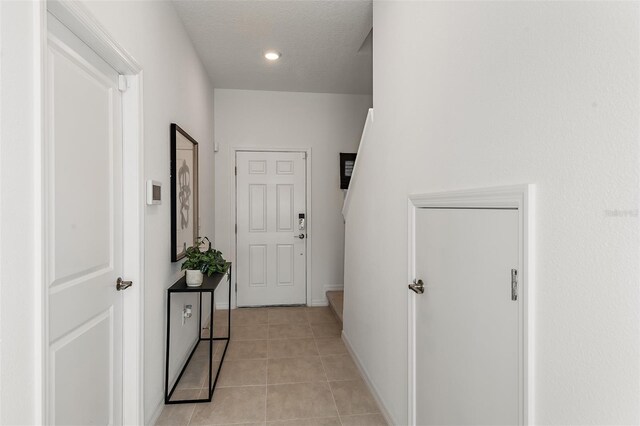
326 123
176 89
476 94
20 384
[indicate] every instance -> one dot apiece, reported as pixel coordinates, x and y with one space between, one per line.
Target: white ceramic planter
194 278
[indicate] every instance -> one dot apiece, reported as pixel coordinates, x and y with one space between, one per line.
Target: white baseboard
222 305
320 302
160 405
156 413
363 372
335 287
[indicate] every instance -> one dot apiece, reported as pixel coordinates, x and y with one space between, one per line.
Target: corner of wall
367 379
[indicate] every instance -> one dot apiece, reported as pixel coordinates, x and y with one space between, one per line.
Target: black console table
209 285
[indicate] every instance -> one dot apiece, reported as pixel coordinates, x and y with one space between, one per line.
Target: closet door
467 335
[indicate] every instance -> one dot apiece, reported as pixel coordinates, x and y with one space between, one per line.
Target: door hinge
236 170
236 286
236 228
123 85
514 284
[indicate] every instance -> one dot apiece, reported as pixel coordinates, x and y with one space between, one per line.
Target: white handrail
354 173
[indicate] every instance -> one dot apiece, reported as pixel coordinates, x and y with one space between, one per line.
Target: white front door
271 240
467 347
84 234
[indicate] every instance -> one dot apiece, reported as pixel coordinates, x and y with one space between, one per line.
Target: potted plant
201 262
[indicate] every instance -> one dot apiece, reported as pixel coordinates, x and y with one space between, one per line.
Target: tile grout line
267 369
193 411
289 383
239 386
290 420
335 404
266 381
306 321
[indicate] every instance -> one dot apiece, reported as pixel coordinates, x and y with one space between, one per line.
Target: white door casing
271 256
469 346
84 233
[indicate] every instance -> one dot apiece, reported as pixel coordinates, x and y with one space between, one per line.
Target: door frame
233 206
520 197
81 22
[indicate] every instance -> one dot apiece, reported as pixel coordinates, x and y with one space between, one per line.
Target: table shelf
209 285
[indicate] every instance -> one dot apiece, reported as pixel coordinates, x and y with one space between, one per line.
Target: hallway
284 366
311 177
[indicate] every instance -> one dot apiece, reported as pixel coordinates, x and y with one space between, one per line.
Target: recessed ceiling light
272 55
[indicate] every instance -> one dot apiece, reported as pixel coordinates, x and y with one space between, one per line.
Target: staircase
336 299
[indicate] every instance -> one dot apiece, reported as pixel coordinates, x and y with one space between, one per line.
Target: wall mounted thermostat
154 192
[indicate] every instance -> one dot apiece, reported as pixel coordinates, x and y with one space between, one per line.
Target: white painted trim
520 197
365 375
354 174
41 308
80 21
411 335
38 253
134 251
233 190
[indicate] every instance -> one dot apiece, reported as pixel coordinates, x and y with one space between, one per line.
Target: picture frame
184 192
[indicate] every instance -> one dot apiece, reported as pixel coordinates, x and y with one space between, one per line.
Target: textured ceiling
324 43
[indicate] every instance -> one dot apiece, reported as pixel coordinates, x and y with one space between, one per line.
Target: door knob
301 236
417 286
123 285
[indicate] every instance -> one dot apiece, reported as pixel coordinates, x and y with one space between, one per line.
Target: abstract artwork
347 162
184 192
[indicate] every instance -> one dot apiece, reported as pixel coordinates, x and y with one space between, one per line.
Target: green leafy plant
209 261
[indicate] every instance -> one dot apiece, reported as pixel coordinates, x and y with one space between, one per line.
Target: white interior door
271 241
84 231
467 332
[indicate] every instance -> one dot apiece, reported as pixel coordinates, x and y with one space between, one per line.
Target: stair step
336 302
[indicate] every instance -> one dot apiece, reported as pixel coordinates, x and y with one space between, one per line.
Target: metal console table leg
209 286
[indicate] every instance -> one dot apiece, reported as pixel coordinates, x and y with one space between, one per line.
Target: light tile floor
284 366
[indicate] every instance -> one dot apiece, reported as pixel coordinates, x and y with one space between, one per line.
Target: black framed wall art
347 161
184 192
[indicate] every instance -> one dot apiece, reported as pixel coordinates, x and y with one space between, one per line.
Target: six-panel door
271 242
